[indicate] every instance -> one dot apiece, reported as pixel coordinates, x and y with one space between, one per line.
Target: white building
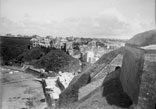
35 42
90 56
45 42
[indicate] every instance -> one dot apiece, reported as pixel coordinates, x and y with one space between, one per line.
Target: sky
80 18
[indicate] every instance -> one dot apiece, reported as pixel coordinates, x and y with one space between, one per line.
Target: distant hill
11 47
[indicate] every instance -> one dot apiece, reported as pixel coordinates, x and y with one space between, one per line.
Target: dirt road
18 90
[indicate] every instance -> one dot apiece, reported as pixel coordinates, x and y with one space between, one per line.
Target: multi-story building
44 42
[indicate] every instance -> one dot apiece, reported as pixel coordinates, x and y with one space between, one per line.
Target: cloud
6 25
109 23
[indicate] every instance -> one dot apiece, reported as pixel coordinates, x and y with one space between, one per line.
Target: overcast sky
84 18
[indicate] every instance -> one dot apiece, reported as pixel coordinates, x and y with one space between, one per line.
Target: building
92 44
90 56
57 43
45 42
37 41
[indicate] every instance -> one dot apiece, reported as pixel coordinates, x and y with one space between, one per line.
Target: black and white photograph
77 54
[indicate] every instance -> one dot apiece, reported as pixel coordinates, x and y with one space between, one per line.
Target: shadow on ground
115 95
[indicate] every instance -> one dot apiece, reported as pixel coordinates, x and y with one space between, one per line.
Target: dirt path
19 91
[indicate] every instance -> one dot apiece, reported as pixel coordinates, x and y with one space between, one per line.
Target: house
76 54
9 35
70 38
90 55
57 43
69 45
37 41
46 42
63 41
92 44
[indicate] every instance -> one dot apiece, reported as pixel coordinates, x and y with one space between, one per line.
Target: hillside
16 50
11 47
57 60
32 55
48 58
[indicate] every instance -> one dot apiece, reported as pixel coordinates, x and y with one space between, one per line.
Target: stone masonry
138 74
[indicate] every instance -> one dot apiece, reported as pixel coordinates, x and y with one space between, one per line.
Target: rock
143 39
138 74
70 94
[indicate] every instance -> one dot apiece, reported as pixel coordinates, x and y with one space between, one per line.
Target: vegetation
57 60
11 47
29 56
17 50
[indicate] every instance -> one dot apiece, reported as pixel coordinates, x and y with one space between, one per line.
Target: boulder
143 39
138 73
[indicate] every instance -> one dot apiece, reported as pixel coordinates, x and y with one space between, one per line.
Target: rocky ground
18 90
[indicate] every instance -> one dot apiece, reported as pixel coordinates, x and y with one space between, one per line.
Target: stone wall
131 70
138 74
147 94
